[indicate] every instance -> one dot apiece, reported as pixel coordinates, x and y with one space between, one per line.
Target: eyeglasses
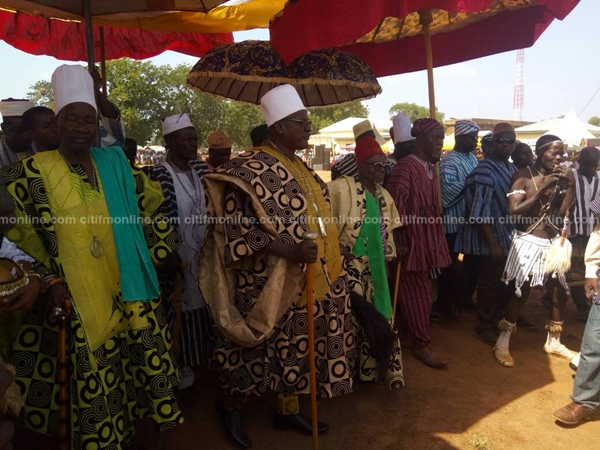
377 165
300 121
498 140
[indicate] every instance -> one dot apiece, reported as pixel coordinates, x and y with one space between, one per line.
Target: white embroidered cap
279 103
402 128
72 84
11 107
176 122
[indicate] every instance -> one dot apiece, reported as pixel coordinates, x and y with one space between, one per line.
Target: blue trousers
586 390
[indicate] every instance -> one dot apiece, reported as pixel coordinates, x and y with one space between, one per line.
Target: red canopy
312 24
67 40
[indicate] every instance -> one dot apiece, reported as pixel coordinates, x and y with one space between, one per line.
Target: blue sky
561 71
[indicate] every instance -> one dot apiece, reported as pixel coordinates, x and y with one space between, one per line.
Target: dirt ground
473 404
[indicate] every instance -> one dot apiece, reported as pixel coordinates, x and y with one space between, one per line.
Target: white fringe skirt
525 262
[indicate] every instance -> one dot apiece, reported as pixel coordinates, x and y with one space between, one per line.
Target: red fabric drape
312 24
67 40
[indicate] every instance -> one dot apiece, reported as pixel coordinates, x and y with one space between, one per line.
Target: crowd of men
188 261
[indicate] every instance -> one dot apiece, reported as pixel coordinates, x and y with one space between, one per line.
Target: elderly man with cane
252 276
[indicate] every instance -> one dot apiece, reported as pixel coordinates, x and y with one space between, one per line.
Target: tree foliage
240 118
41 94
146 93
594 120
323 117
415 111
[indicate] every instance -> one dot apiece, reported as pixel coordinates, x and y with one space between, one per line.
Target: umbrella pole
310 304
102 61
425 19
89 32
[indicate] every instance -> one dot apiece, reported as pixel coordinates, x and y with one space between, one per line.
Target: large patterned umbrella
399 36
87 10
66 40
460 29
74 9
189 16
245 71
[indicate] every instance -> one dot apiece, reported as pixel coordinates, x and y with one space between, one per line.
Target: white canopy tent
340 134
569 128
572 131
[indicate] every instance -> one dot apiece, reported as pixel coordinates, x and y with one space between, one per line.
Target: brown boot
571 414
430 358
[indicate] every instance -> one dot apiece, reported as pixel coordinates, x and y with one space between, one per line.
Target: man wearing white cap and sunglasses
93 226
252 274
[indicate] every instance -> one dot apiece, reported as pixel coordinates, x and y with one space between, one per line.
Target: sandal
560 352
503 356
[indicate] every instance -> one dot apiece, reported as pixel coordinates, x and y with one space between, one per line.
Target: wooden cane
310 305
396 285
176 305
63 377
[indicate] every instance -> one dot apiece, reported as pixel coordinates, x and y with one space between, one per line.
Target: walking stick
63 382
310 299
176 304
396 284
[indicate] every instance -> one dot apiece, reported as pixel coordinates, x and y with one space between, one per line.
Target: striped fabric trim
345 166
195 339
583 220
160 174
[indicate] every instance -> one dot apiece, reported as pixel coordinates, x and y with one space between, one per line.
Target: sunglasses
300 121
504 140
377 165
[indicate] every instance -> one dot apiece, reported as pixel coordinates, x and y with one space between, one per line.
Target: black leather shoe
486 335
299 423
232 423
525 324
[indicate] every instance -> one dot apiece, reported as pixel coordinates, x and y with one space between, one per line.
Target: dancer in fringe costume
539 198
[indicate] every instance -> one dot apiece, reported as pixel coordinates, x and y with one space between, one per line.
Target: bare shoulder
521 179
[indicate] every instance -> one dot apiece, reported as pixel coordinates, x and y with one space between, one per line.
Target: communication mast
519 96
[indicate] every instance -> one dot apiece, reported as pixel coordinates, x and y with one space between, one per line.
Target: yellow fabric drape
93 282
329 246
222 19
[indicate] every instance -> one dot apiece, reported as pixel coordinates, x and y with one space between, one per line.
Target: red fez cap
367 147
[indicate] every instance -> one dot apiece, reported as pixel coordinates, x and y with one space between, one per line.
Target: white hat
176 122
72 84
402 128
280 102
11 107
364 126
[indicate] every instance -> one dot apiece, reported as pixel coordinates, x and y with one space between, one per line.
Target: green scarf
138 278
370 243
